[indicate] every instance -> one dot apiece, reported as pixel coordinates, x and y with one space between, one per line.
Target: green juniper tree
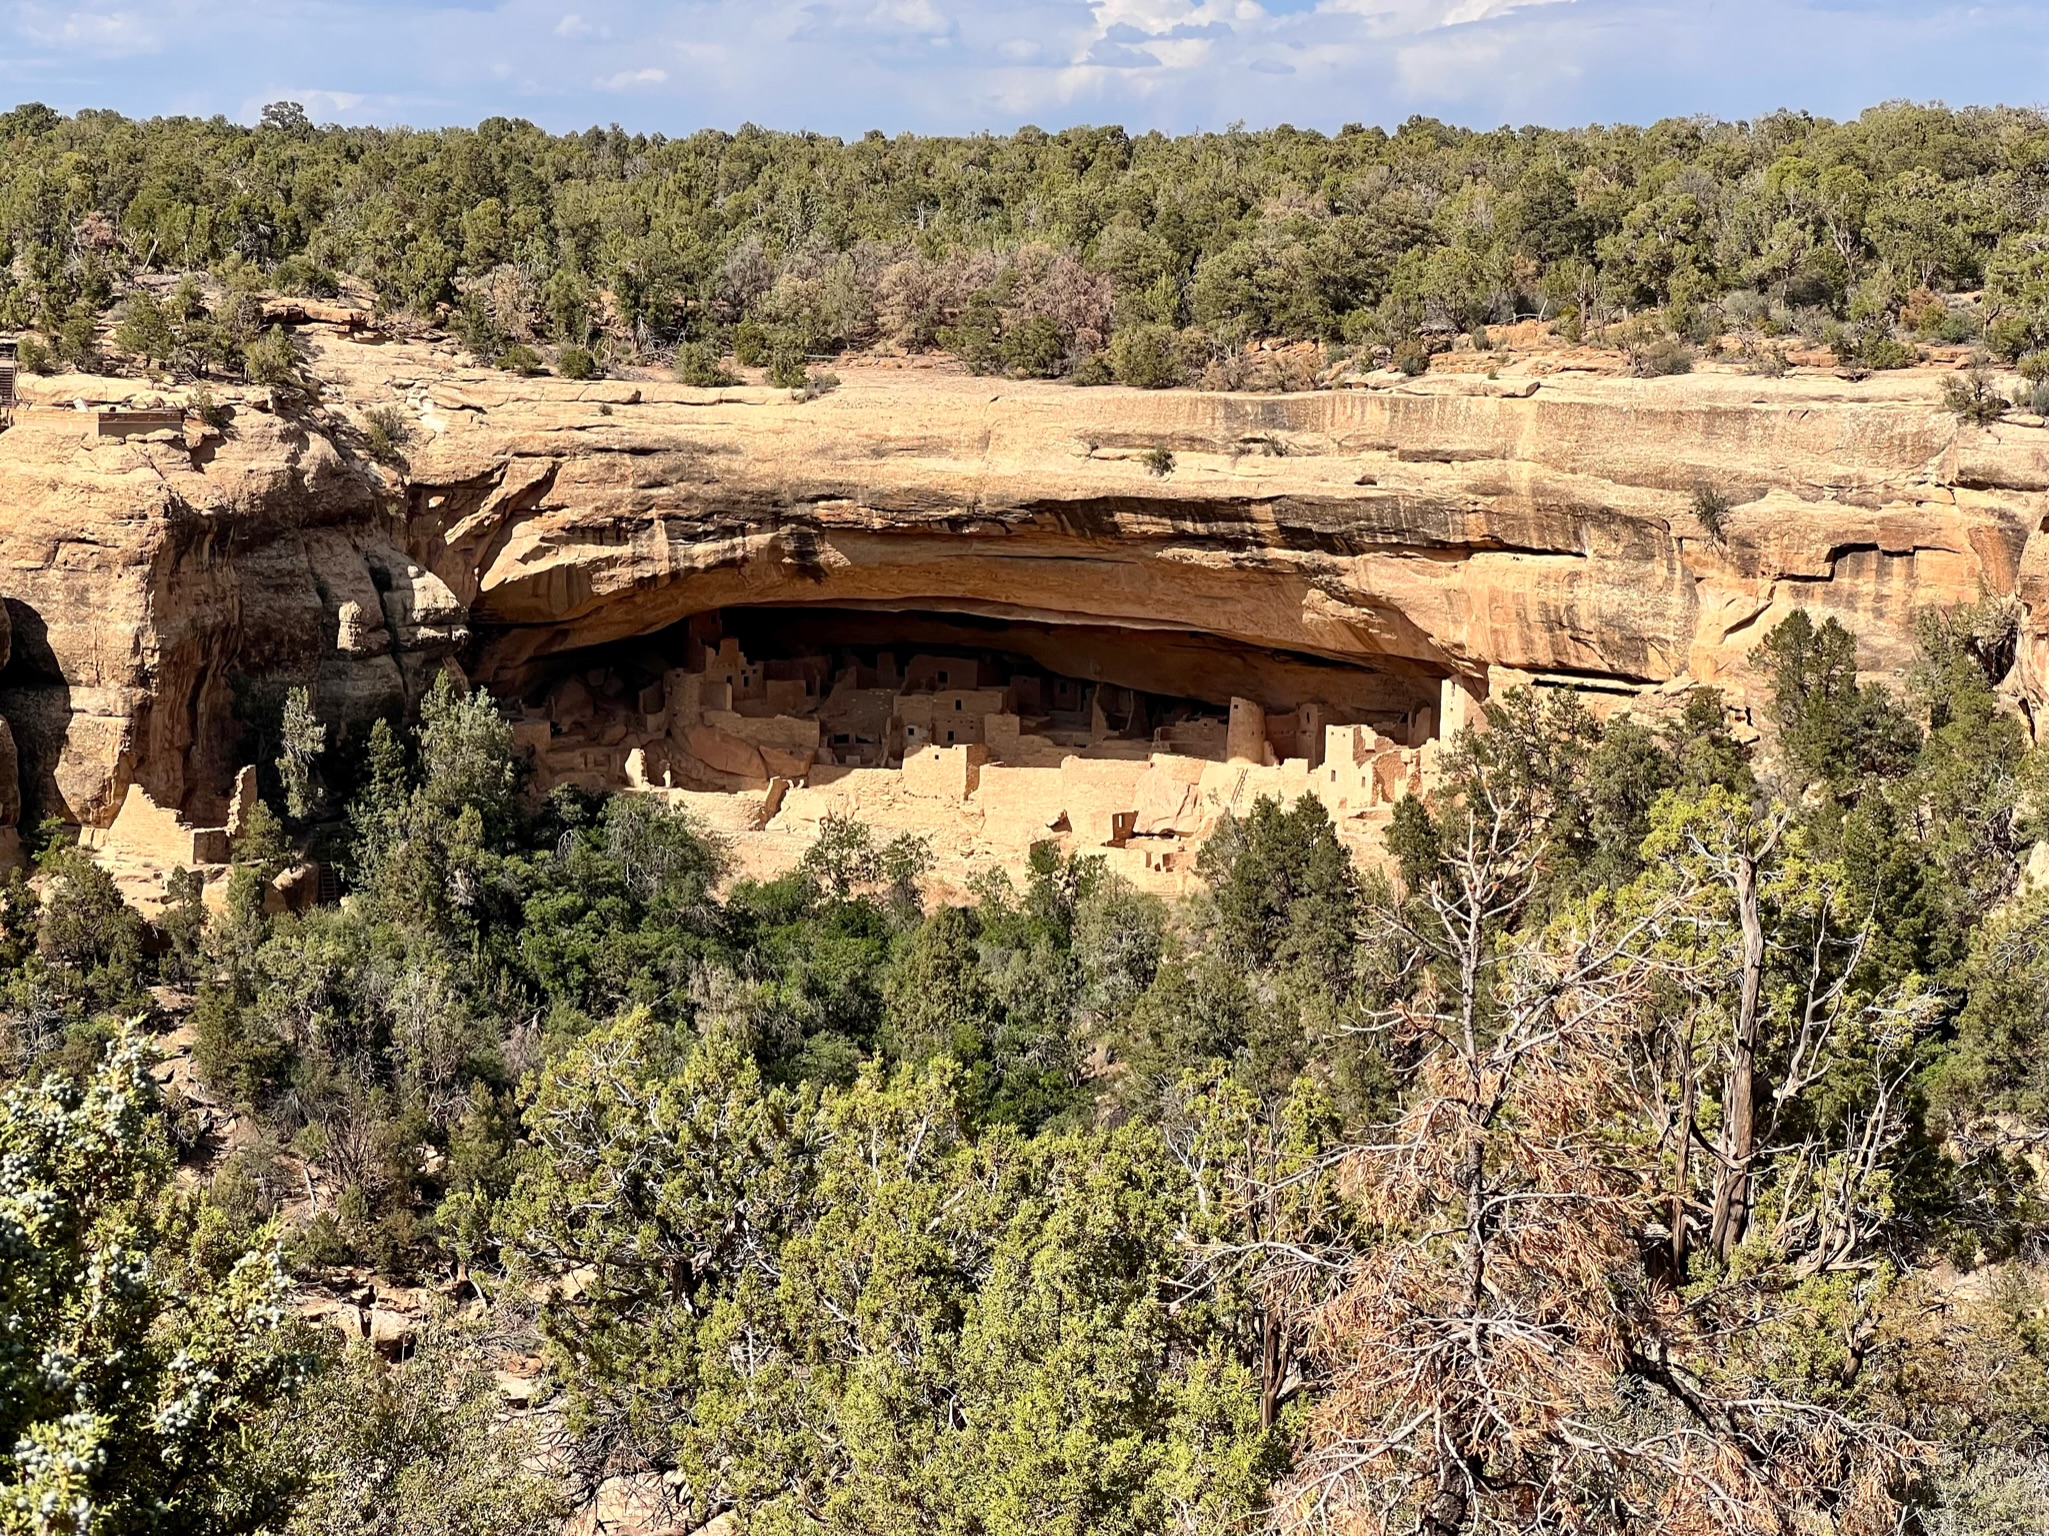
143 1339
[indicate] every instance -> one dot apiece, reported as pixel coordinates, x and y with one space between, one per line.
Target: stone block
1166 802
788 695
1199 738
294 890
1459 704
1309 730
570 704
790 734
1245 736
726 754
787 764
147 833
1002 735
927 673
945 773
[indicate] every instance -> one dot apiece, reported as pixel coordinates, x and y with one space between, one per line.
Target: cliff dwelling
966 613
988 734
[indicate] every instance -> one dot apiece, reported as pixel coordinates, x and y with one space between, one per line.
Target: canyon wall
160 583
164 586
1448 527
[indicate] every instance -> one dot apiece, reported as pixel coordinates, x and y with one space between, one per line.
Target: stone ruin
985 756
147 843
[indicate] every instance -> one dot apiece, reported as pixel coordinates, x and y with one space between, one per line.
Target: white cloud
1397 18
1116 56
109 34
882 20
1486 10
323 106
842 66
329 103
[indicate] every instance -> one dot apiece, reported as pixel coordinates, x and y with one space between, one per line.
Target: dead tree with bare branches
1502 1354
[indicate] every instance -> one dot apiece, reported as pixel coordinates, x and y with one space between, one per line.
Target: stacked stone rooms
986 735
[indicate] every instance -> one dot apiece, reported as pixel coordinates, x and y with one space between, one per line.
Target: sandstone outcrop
1436 529
1359 546
164 587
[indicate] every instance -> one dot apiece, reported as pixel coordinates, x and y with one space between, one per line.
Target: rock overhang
1445 527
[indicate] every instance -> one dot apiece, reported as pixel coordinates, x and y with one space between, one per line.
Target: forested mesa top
1030 253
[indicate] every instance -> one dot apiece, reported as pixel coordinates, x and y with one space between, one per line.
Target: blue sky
844 66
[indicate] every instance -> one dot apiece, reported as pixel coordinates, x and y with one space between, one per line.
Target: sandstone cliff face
1439 528
152 577
1446 527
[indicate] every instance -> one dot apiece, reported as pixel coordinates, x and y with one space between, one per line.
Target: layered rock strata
162 583
1451 528
165 586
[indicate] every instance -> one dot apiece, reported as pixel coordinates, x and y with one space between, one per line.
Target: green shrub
1090 370
750 343
36 357
182 924
1868 344
2038 398
786 368
148 1338
145 330
88 937
474 324
2013 334
977 339
1411 356
519 358
386 432
1959 327
236 1054
1711 506
305 278
1764 362
820 381
419 1445
1159 461
1969 396
1145 357
78 342
1035 348
271 359
200 401
1660 358
577 363
699 366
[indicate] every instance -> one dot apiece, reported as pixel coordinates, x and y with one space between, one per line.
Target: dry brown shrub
1504 1353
